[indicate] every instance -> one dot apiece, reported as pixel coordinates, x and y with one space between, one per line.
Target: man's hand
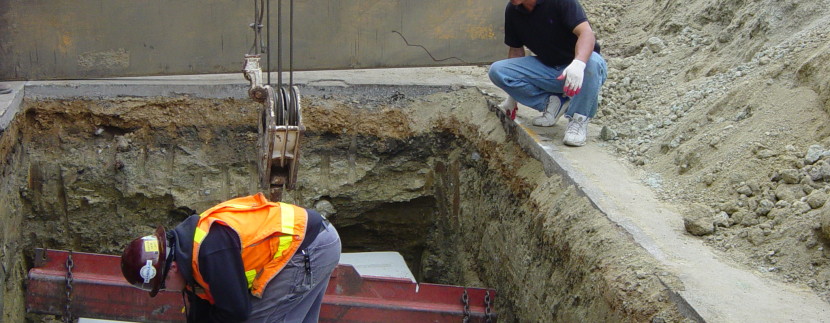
509 107
573 77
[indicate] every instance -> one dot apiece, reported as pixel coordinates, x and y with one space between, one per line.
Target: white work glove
573 77
509 107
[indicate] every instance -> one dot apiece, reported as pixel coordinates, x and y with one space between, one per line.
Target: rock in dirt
790 176
722 220
824 171
800 207
814 153
730 207
122 144
816 199
764 206
824 217
789 193
698 220
607 134
655 44
325 208
745 190
745 218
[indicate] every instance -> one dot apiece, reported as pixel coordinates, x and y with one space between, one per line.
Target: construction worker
243 260
565 76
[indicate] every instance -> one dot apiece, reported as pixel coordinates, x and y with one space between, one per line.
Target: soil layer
434 176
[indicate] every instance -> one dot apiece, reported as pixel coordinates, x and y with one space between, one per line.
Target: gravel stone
655 44
607 134
722 220
824 218
325 208
698 220
800 207
816 199
814 153
790 176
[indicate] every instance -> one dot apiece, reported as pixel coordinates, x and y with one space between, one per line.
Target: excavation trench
428 172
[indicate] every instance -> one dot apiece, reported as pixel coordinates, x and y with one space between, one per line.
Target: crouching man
565 76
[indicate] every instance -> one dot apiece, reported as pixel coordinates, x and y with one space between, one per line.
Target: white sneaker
557 106
577 132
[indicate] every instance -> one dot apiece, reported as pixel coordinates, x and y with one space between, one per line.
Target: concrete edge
369 85
10 105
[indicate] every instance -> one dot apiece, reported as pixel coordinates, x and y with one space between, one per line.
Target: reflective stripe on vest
270 234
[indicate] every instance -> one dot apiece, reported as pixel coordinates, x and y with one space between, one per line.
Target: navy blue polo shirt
547 30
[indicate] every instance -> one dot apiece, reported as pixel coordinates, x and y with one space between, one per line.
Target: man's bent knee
495 73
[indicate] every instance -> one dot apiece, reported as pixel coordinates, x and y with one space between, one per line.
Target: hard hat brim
161 235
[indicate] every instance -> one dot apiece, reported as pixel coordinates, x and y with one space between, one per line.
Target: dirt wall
435 175
12 261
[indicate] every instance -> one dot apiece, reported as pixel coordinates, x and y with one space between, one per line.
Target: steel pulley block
265 144
280 129
279 145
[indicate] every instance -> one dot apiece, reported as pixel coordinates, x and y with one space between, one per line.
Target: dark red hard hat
142 262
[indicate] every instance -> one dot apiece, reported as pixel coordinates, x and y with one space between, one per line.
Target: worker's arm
220 263
585 41
514 52
574 73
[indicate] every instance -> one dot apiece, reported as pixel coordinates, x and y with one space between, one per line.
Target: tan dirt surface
723 106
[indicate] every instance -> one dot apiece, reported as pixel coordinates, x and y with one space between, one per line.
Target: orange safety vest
270 233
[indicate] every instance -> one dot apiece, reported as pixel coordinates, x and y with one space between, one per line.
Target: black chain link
465 299
487 311
67 317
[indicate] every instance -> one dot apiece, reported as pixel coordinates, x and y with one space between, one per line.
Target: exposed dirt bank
436 176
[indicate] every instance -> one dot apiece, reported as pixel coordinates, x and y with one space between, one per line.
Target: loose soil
718 104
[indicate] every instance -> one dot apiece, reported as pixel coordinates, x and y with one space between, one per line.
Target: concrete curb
10 104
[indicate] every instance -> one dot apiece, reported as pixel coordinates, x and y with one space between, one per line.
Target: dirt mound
724 106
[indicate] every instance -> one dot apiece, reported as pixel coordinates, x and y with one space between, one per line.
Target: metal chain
67 317
487 311
465 299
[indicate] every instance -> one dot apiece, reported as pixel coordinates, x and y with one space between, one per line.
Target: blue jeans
296 295
531 83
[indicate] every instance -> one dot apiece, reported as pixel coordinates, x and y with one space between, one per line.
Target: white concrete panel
380 264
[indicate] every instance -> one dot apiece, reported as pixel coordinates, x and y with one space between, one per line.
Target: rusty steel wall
79 39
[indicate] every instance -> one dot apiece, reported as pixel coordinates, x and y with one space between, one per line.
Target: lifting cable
257 47
262 9
281 120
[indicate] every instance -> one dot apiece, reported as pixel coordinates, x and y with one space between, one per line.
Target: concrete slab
10 103
378 264
376 81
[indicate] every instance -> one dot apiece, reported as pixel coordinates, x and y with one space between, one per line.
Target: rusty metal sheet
100 291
